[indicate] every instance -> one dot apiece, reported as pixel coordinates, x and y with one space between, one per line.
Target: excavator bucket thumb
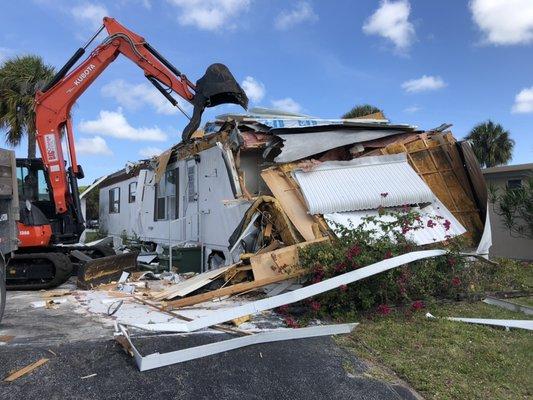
217 86
105 269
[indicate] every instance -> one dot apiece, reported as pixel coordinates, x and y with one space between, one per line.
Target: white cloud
209 15
504 22
523 101
287 104
424 84
94 146
114 123
89 13
149 152
254 89
302 12
391 21
412 109
134 96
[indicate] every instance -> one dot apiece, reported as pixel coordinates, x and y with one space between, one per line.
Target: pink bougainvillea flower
315 306
384 309
406 208
446 225
456 281
388 254
291 323
418 305
354 251
340 267
343 288
451 261
283 309
431 223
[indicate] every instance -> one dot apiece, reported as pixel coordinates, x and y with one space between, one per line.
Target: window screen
114 200
132 192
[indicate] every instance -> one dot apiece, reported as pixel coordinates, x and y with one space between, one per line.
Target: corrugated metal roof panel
422 236
362 184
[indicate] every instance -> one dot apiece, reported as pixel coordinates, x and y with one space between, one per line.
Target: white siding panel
362 184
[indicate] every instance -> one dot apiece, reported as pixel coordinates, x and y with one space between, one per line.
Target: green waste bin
184 259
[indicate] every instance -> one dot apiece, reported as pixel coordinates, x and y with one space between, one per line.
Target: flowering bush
379 238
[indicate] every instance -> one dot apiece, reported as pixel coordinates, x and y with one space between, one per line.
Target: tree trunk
32 145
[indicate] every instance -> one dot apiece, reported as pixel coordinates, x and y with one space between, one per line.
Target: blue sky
423 62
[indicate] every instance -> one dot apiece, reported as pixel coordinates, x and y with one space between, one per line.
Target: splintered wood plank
26 370
230 290
190 285
291 203
273 263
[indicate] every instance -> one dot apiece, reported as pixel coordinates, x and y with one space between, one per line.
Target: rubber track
63 271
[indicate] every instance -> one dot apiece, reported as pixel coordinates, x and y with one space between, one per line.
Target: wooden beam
229 290
26 370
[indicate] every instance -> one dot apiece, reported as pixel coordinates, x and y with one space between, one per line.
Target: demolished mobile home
268 179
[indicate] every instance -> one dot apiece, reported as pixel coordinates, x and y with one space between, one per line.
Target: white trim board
290 297
506 323
157 360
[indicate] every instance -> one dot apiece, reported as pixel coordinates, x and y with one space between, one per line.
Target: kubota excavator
51 221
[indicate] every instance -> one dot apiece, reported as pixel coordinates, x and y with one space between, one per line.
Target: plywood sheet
271 264
291 203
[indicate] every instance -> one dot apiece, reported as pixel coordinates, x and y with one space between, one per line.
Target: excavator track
36 271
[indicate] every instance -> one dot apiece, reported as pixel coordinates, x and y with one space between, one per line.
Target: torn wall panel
298 146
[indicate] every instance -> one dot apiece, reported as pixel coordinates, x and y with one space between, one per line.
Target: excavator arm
54 102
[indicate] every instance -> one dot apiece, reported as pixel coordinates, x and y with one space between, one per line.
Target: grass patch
523 301
450 360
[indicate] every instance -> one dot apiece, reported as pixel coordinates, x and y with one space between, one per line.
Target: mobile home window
114 200
132 192
166 205
514 184
190 183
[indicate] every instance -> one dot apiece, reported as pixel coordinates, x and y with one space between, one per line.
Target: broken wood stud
26 370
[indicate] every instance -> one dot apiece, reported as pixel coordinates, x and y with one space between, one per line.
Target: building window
166 204
114 200
191 183
132 192
514 184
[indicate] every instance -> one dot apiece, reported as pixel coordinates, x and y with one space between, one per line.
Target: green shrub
379 238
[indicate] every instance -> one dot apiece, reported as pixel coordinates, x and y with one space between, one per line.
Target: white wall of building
207 213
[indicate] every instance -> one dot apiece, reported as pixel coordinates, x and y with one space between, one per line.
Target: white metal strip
506 323
157 360
291 297
508 305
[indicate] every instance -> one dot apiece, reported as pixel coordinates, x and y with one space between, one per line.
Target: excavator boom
46 225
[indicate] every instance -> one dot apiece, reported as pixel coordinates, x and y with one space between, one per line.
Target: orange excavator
51 220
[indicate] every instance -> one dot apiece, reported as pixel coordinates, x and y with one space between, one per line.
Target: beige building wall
503 243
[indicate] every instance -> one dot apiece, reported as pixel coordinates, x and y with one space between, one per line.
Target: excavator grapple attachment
217 86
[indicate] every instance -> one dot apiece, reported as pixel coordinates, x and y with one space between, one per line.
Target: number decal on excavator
51 147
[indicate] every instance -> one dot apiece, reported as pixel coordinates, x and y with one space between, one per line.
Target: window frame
132 198
163 195
113 200
516 183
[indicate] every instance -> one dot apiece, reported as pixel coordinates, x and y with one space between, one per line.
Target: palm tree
491 143
361 111
20 79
